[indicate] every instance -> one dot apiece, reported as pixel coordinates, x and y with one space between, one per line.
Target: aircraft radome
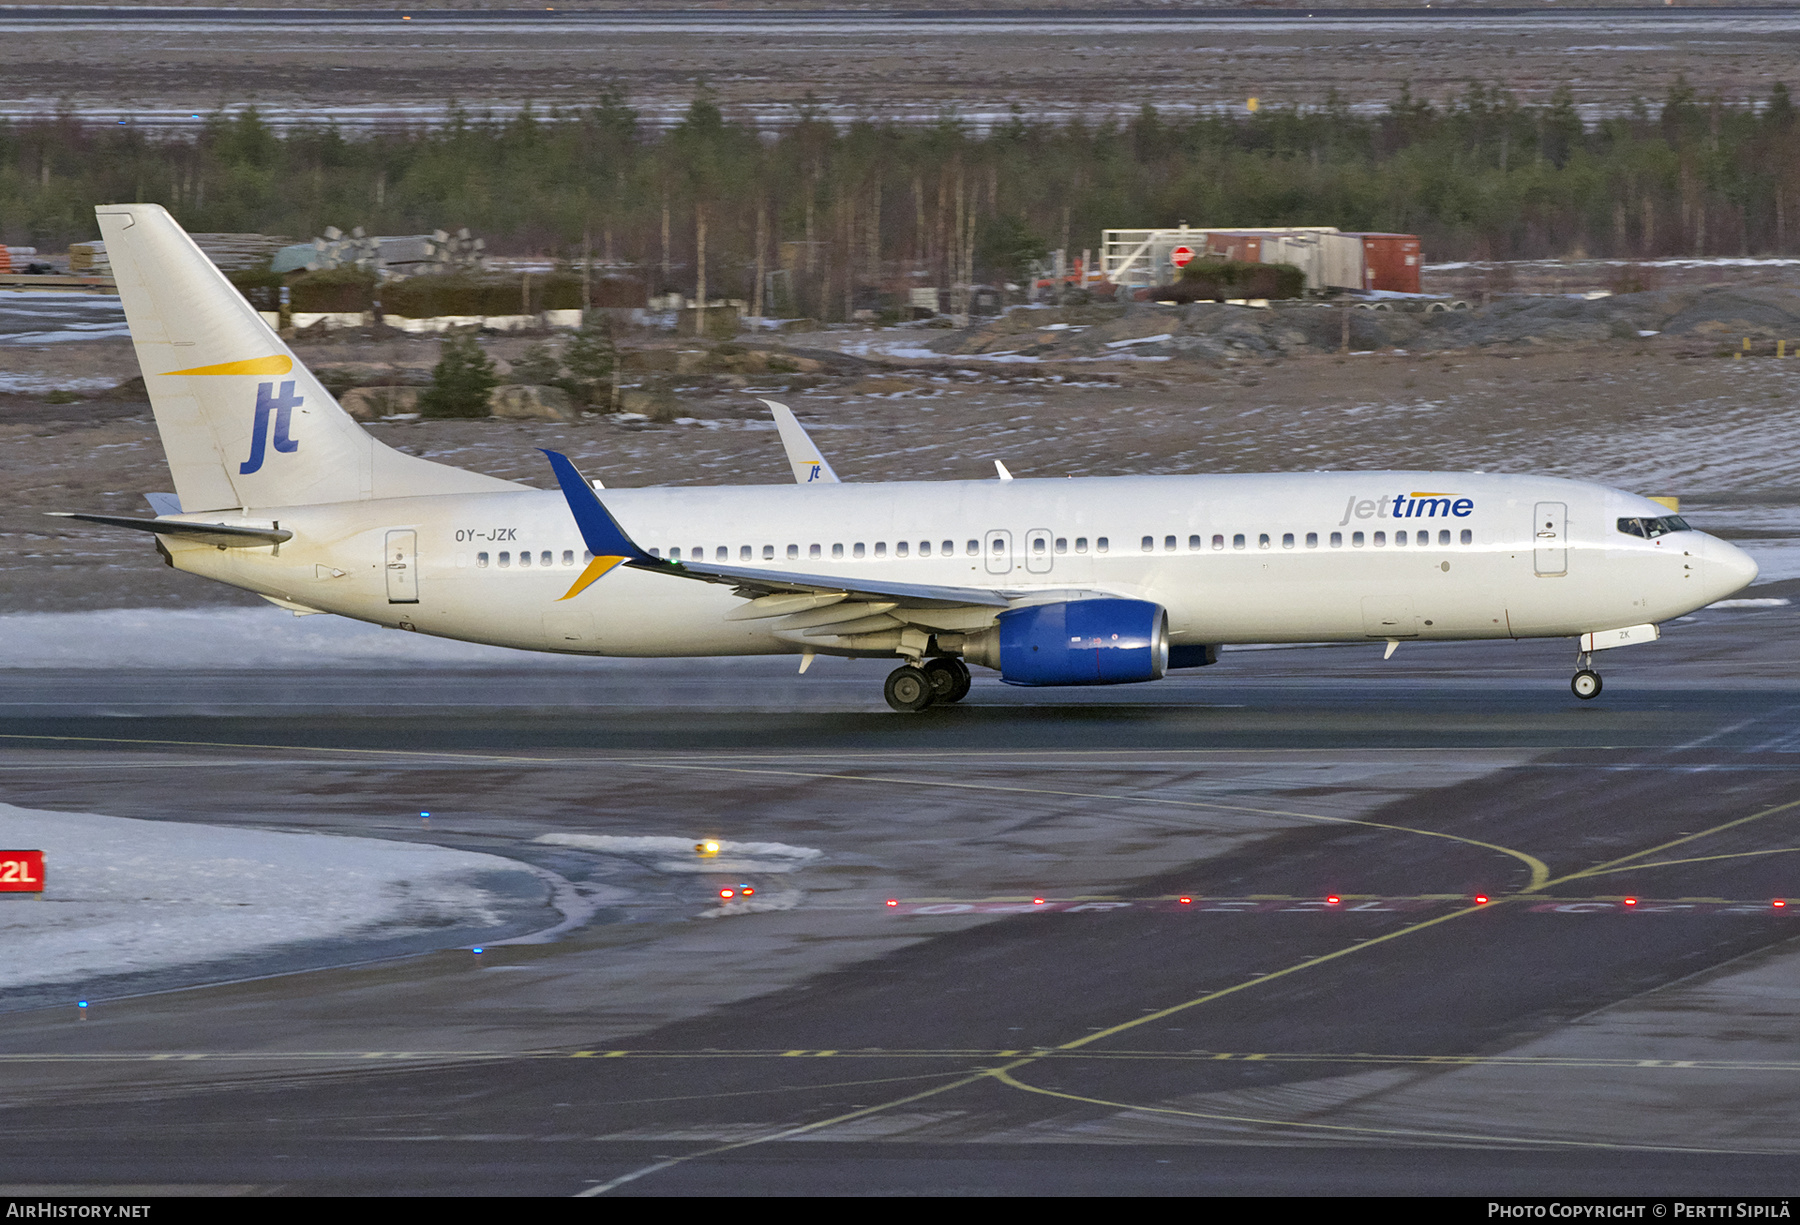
1091 581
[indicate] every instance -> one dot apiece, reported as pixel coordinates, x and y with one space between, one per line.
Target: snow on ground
678 855
124 896
213 638
43 317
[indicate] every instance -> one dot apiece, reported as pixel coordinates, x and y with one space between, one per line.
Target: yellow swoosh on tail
254 365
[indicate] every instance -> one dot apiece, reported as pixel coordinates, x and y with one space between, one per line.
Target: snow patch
733 857
126 896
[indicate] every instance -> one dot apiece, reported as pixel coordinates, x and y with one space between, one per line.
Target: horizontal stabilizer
225 534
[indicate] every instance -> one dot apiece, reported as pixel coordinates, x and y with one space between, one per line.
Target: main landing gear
913 687
1586 684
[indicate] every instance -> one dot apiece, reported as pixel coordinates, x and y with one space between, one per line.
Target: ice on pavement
657 850
124 896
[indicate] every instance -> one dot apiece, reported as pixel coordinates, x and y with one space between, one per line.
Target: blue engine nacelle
1077 642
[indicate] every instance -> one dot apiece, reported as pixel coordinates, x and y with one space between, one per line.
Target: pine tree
590 355
461 382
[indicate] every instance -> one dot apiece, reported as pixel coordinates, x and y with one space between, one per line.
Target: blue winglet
599 530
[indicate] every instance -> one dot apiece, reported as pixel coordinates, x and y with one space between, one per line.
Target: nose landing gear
1586 683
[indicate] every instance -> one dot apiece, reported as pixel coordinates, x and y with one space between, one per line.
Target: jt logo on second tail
283 405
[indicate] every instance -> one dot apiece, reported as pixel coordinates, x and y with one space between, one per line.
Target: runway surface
1038 1010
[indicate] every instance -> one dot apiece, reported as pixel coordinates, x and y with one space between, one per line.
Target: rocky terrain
1707 317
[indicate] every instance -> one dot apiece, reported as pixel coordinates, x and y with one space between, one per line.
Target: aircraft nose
1728 568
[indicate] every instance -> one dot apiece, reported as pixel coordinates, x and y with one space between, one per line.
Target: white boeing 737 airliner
1050 582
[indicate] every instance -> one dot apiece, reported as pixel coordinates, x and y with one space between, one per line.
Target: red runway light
1481 899
1631 901
1778 903
725 893
893 901
1037 901
748 891
1187 901
1333 900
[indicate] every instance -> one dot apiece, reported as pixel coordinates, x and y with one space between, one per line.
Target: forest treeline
827 214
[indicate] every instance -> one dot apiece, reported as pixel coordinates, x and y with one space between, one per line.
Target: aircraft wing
810 467
225 534
811 602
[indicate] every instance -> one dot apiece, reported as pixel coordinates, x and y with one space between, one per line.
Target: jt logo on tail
283 404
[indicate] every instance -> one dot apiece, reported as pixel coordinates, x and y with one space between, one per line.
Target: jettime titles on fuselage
1415 505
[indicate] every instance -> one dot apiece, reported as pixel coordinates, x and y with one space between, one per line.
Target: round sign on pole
1181 257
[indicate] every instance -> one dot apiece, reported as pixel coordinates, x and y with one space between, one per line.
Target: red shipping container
21 871
1245 248
1391 262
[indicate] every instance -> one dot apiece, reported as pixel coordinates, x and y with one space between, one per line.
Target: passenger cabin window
1468 537
1081 544
837 551
768 552
812 550
793 552
1287 540
481 560
1312 540
1237 541
859 550
1168 544
1193 544
902 549
1262 540
974 549
744 552
1149 544
544 558
1218 542
881 548
525 558
1399 540
722 554
506 559
924 548
1062 544
1337 540
1100 544
1380 539
1356 540
949 548
1444 537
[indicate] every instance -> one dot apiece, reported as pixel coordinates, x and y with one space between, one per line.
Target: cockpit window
1650 529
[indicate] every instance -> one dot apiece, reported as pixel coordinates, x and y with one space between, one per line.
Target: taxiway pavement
1618 1017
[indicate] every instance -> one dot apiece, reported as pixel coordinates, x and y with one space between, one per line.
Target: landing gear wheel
908 689
949 679
1586 684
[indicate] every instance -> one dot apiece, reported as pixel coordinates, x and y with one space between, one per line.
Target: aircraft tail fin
809 464
243 422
